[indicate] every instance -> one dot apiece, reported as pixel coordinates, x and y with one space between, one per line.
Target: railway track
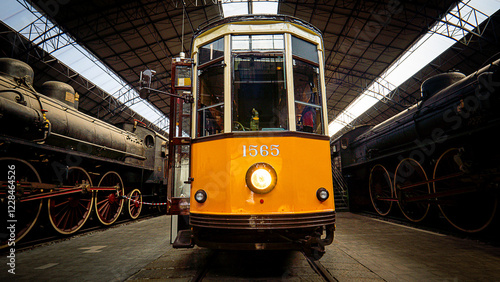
214 256
321 270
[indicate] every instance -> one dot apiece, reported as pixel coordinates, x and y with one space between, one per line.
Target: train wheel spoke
64 203
103 202
84 203
63 216
105 211
103 205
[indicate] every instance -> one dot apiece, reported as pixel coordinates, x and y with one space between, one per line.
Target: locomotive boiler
440 151
75 163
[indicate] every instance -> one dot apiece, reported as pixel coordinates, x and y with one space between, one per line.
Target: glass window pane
307 97
267 42
265 7
211 100
309 118
304 49
241 42
306 82
183 76
259 94
211 51
210 120
181 171
234 8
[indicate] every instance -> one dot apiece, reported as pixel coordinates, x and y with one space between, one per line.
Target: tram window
211 51
241 42
304 49
259 94
307 97
211 100
258 42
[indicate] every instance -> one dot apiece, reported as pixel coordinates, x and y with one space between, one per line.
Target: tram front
260 164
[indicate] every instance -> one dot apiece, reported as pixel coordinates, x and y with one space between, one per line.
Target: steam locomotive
440 151
52 155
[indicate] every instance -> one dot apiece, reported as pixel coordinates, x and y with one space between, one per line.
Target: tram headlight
322 194
200 196
261 178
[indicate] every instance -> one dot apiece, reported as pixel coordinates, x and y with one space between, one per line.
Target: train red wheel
135 203
21 215
411 187
381 192
68 213
465 200
109 204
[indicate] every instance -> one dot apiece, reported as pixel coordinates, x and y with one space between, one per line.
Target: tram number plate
263 150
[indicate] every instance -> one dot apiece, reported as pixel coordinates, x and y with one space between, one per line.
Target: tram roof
362 39
255 18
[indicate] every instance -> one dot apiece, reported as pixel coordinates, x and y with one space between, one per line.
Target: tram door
178 162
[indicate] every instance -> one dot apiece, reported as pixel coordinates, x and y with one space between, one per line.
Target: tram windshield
259 95
306 84
211 89
307 97
259 99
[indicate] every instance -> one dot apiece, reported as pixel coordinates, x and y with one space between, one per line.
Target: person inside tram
308 119
254 121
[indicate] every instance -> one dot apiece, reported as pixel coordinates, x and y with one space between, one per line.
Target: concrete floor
363 249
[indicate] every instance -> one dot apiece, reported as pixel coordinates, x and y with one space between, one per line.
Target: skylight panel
230 8
265 7
240 7
418 56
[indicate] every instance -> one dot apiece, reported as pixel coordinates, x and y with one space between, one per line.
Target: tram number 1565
263 150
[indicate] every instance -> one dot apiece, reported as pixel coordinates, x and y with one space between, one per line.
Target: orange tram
259 175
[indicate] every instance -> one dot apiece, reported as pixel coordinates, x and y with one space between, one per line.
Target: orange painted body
302 165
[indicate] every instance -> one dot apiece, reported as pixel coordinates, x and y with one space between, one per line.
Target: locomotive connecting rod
55 190
431 181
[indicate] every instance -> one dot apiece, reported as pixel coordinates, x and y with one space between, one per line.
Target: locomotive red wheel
466 202
25 214
381 192
410 183
69 213
135 207
108 204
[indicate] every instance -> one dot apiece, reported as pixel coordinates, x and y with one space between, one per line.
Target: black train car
70 164
439 151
